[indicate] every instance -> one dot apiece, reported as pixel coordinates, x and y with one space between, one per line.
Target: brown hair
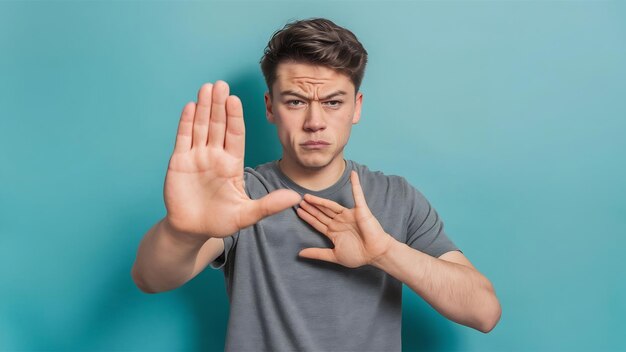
315 41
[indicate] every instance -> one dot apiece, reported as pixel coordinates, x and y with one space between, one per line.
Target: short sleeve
425 229
229 245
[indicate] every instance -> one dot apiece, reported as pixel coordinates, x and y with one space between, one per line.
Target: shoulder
378 179
258 181
393 188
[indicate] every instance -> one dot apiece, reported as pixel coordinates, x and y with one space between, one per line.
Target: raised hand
357 236
204 188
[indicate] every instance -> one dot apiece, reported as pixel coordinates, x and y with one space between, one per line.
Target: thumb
325 254
273 203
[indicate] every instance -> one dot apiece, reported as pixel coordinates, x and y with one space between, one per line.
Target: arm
166 259
451 285
204 194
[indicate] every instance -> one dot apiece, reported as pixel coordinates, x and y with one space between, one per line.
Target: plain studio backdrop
509 116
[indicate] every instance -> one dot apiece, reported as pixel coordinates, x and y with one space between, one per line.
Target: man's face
313 108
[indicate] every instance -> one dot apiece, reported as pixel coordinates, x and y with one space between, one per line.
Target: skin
204 194
207 164
312 104
450 283
313 109
317 103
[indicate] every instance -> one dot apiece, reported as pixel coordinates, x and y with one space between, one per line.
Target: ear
269 114
357 108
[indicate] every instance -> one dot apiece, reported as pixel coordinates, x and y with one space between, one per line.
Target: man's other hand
357 236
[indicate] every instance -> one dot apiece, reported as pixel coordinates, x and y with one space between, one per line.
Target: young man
314 248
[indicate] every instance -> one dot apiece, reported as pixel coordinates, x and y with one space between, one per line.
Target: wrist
391 243
384 259
186 238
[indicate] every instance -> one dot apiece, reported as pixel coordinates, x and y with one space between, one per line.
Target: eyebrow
304 97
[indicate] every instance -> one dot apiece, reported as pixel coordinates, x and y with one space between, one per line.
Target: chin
315 161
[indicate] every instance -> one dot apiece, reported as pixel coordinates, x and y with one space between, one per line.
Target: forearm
165 259
458 292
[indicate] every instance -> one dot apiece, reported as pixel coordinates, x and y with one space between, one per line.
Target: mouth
314 144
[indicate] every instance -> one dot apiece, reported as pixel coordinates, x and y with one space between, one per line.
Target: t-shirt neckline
289 183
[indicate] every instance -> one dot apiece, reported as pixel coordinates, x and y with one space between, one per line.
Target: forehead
308 78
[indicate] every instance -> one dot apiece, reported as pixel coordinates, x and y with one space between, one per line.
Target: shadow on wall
120 312
262 143
124 318
423 328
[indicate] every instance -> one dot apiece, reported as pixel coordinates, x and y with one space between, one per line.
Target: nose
314 120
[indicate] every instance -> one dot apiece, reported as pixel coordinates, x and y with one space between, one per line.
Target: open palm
204 187
357 236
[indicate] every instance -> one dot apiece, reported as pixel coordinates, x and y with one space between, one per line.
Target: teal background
509 116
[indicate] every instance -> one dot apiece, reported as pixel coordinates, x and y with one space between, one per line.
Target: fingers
329 213
327 203
185 128
275 202
325 254
235 128
201 117
313 221
209 120
320 213
357 191
217 123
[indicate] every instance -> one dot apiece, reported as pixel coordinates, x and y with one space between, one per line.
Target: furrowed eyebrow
304 97
334 94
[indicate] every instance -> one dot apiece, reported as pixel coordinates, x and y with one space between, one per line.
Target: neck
315 179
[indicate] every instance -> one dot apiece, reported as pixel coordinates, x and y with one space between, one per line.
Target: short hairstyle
316 41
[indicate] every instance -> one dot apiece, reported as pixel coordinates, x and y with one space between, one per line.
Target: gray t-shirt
281 302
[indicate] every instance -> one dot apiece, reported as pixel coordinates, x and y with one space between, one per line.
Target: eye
294 103
333 103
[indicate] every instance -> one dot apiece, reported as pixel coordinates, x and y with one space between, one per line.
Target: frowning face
313 108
